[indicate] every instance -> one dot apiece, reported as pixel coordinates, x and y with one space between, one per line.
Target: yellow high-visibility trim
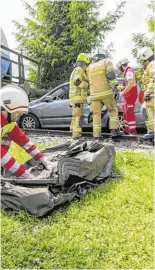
114 117
113 82
77 129
101 94
150 121
150 125
99 127
7 129
98 72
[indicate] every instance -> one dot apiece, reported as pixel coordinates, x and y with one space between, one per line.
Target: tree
141 40
58 31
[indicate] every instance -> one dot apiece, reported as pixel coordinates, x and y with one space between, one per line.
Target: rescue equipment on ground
76 167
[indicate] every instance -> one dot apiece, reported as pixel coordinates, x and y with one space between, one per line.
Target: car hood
34 102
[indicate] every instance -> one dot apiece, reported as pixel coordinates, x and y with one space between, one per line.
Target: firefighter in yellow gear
101 78
79 89
146 57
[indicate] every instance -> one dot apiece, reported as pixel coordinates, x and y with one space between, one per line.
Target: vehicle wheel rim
121 123
28 123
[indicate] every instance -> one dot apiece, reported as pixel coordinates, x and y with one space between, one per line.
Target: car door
57 112
139 120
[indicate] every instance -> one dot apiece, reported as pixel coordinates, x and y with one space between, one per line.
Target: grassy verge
111 227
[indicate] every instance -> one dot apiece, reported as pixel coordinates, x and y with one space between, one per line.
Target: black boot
149 135
115 133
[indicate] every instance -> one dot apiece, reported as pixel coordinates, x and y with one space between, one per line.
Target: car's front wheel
29 121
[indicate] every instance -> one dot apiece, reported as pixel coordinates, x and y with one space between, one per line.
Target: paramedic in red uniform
130 93
14 103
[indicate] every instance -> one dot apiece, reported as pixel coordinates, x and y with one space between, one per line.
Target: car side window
66 92
59 93
63 93
56 94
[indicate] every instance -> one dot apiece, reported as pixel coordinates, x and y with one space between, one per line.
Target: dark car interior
60 93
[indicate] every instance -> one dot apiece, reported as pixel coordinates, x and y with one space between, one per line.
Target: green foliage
139 74
151 25
141 40
110 228
58 31
151 20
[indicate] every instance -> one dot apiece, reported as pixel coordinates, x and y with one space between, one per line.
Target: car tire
29 121
121 122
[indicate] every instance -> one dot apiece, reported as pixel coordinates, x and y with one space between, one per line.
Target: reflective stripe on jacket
11 132
7 128
78 94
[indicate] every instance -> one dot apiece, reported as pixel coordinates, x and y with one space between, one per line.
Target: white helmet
123 61
145 53
13 99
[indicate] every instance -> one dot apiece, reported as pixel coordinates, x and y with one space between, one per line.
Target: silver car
53 110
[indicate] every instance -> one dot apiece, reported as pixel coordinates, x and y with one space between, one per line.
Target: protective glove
27 175
147 97
48 165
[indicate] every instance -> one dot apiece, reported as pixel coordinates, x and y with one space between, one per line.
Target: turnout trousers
77 117
96 110
148 114
129 117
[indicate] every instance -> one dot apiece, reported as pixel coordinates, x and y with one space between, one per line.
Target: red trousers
129 115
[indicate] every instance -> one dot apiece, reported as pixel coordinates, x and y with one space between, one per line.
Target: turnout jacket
101 78
11 132
148 79
78 94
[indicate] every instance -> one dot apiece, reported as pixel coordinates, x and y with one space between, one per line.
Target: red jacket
133 93
19 137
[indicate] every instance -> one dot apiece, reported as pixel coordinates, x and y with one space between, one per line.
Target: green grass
111 227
